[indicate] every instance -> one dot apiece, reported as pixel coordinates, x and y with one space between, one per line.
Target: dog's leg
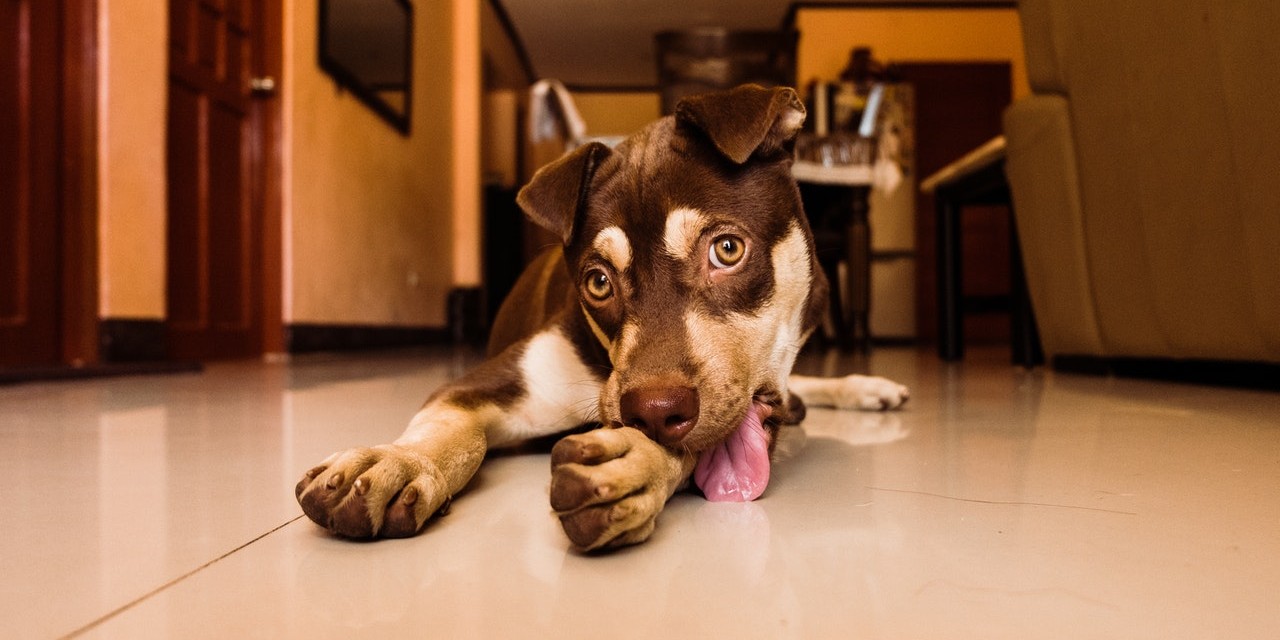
539 386
867 393
609 485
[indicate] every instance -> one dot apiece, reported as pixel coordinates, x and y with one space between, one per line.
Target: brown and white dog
671 317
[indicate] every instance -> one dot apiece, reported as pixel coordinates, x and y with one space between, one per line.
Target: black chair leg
950 318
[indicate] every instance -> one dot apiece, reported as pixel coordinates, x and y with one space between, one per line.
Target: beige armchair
1145 173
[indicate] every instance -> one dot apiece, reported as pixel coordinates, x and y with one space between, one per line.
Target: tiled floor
998 504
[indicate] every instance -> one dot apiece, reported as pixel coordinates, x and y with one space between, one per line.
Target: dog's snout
665 414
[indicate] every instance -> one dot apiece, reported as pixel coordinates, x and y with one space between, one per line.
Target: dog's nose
665 414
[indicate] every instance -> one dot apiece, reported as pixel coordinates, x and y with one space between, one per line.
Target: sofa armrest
1043 178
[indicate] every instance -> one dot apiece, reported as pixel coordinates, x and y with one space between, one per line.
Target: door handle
262 86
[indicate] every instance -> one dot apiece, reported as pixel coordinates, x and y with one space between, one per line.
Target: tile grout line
140 599
1012 503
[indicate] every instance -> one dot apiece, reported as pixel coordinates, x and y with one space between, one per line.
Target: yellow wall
618 113
908 35
133 70
368 212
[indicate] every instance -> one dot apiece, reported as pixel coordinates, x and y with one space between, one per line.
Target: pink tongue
737 470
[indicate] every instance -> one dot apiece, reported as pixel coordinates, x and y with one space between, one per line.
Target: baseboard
311 338
1222 373
60 373
131 340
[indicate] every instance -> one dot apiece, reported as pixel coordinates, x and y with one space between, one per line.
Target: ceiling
608 44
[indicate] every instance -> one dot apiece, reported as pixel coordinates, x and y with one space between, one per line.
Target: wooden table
977 178
835 201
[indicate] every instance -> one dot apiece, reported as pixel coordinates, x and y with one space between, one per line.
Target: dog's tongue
737 470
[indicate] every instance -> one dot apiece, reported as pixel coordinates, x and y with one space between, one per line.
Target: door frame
78 215
270 180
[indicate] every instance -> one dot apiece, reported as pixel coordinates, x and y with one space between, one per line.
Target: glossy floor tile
999 504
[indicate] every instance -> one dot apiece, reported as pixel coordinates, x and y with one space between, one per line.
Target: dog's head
693 261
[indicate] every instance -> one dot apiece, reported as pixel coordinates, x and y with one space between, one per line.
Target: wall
617 113
466 86
133 72
368 213
915 35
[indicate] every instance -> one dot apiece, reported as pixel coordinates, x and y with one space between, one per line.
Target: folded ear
559 190
746 120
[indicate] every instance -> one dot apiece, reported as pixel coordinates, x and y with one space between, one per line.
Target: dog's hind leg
866 393
539 386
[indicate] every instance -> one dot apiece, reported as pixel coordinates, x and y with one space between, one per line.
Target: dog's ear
559 190
746 120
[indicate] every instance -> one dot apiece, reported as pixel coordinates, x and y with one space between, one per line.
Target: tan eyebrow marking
683 227
612 243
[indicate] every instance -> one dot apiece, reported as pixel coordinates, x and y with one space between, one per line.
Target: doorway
223 263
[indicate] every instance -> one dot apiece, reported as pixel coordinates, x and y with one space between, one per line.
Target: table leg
860 270
950 318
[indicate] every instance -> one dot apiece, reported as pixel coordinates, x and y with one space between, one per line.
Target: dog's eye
598 285
727 251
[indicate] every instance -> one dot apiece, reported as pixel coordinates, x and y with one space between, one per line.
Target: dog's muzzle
665 414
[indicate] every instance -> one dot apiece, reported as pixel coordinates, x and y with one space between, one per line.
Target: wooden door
30 279
215 186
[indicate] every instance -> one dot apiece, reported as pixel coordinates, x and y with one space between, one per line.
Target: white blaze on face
794 280
683 228
620 355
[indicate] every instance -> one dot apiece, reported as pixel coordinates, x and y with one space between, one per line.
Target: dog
670 318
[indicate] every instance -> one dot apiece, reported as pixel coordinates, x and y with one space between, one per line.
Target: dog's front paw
609 485
388 491
869 393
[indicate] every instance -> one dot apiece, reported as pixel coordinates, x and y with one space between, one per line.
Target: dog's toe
351 518
323 493
571 488
625 522
307 479
315 504
594 447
